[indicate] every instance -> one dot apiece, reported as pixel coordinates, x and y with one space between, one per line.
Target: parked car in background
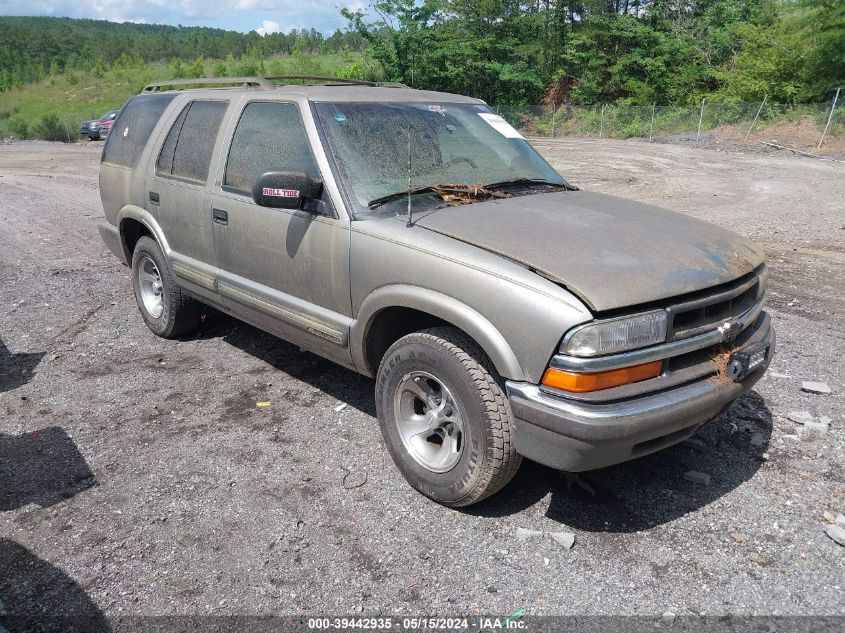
417 238
99 128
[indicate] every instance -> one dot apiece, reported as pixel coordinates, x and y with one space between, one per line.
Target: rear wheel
166 309
445 418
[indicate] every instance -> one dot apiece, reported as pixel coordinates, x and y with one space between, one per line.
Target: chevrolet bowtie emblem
729 330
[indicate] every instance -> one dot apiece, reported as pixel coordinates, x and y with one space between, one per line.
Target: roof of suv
340 92
374 93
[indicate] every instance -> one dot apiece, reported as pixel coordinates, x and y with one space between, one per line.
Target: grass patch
57 106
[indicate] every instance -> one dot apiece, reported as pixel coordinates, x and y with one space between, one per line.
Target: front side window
269 137
186 153
384 149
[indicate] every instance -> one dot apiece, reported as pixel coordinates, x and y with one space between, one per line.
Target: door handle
154 197
220 216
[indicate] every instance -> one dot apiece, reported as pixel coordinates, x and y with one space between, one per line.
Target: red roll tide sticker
280 193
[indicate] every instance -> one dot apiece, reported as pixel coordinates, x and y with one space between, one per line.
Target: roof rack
264 83
329 81
245 82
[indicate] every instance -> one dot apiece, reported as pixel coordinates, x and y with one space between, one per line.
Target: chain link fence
817 127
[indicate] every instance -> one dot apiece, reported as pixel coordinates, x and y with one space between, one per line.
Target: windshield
374 144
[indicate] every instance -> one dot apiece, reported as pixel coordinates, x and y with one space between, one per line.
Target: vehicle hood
609 251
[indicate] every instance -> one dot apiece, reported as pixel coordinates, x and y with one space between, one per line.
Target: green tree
177 69
401 36
196 70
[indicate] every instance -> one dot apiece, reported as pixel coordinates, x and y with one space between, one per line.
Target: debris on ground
815 387
341 407
828 516
523 534
801 417
739 537
697 478
818 427
837 533
564 539
758 439
348 472
263 404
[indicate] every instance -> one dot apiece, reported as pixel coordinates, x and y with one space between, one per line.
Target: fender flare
438 305
133 212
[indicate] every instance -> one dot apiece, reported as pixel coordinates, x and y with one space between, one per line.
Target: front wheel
167 311
445 418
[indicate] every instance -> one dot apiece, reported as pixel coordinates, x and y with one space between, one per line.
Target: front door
285 270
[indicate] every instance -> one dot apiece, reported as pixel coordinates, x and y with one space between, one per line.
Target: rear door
286 270
178 187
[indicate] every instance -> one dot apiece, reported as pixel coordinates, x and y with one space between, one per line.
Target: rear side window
133 128
186 153
269 137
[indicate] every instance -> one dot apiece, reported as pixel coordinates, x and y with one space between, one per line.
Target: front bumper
576 435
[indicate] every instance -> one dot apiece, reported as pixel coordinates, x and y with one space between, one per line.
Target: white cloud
267 27
241 15
253 5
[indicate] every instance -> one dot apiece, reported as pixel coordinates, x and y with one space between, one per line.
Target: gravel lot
138 477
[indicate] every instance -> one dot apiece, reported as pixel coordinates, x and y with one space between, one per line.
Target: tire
93 138
462 462
175 313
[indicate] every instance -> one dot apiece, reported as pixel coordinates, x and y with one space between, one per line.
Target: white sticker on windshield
500 125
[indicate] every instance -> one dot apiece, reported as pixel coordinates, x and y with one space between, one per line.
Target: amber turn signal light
580 383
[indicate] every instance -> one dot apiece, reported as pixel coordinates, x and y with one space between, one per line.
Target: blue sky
238 15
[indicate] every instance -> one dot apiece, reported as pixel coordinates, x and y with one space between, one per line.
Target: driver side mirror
285 189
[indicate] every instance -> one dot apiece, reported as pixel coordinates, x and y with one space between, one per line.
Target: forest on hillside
35 48
504 51
612 51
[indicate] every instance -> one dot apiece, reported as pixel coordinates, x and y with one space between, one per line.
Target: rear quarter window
133 128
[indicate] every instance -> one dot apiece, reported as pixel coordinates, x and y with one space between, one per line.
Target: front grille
708 312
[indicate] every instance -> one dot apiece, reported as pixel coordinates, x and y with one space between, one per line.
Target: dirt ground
138 477
801 134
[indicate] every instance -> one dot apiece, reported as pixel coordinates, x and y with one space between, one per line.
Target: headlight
616 335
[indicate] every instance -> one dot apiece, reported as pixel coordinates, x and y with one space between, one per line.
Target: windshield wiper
449 193
456 193
515 182
398 195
